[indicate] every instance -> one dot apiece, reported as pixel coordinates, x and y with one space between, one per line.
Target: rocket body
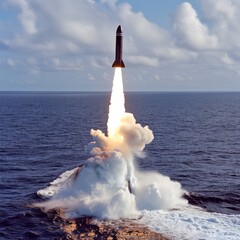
118 52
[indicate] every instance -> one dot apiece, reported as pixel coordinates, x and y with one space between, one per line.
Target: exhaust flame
117 105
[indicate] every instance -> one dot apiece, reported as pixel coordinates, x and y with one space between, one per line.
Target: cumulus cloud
81 35
86 28
190 31
137 23
223 15
221 10
72 28
26 15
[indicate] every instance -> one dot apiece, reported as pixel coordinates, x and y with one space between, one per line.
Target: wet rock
91 229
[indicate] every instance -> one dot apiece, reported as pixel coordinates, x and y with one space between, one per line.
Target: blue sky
60 45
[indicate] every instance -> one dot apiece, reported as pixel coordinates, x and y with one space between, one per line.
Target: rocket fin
119 64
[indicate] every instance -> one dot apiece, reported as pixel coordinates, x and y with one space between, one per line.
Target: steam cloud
109 185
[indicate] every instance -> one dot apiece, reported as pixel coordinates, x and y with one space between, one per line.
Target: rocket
118 52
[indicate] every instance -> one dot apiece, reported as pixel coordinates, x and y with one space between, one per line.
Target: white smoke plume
109 185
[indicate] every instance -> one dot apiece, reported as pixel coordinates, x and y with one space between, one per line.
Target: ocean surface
42 135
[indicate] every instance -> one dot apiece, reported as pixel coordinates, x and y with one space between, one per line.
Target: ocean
196 143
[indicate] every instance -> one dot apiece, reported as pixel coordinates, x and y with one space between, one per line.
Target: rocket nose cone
119 30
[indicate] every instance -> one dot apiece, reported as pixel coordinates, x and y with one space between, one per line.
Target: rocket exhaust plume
109 185
117 104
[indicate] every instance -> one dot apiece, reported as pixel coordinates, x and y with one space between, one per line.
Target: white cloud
143 61
190 31
87 28
224 18
226 59
142 36
59 27
220 10
85 33
66 64
78 37
26 16
143 29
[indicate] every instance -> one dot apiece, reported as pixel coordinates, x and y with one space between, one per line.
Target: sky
60 45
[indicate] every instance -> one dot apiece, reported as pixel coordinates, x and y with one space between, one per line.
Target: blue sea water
197 143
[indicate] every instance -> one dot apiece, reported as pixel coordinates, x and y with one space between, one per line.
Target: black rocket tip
119 30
